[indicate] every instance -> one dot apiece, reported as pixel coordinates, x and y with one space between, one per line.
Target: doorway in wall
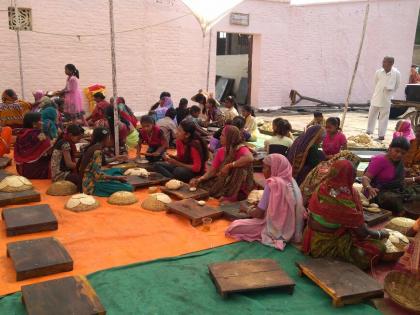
233 67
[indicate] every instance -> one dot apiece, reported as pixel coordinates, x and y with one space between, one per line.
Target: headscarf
405 130
234 141
49 119
298 152
336 200
284 215
161 110
38 94
7 99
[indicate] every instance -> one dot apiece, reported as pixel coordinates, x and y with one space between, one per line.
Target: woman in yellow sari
12 110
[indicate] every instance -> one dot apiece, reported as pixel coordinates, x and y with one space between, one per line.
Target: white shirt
385 86
230 113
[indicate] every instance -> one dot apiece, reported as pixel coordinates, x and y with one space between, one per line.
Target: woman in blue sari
49 122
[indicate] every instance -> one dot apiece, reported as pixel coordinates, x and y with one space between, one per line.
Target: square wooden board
185 193
249 275
65 296
39 257
190 209
231 211
29 219
21 197
154 179
372 218
344 282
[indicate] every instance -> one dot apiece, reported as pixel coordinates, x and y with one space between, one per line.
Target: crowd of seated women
308 196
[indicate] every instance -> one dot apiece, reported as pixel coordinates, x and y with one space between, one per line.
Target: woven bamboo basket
122 198
62 188
403 288
14 183
156 202
81 203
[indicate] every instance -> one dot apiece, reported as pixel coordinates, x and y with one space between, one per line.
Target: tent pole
208 61
346 105
17 25
114 78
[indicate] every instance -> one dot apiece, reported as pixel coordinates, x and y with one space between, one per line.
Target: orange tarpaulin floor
111 236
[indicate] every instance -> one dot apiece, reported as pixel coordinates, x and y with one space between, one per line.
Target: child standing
250 122
151 135
318 120
335 140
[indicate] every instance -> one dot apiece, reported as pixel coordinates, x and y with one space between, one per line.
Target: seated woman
320 172
404 129
281 130
122 131
49 122
64 155
304 154
182 110
38 95
32 149
194 114
231 173
94 180
12 109
215 117
191 157
164 105
238 122
97 117
278 218
168 126
250 122
384 180
408 261
334 140
336 226
126 112
151 135
5 140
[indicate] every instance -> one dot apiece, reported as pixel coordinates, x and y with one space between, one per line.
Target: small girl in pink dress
335 140
73 104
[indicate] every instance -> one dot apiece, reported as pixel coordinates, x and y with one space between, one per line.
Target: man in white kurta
387 81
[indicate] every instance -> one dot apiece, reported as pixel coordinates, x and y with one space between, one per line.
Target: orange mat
111 236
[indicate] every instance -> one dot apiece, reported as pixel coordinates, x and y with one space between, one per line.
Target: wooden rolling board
372 218
231 211
185 193
154 179
65 296
190 209
29 219
124 166
5 162
39 257
343 282
16 198
249 275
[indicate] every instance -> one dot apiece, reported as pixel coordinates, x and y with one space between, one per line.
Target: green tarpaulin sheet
181 285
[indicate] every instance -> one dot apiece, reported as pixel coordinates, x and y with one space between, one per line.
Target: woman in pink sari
405 130
278 218
73 104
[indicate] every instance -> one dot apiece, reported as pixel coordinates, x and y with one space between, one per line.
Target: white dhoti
381 114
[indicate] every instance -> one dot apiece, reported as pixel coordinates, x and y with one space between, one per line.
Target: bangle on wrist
414 179
379 234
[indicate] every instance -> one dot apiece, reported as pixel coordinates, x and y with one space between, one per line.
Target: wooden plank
39 257
344 282
154 179
190 209
29 219
231 211
5 162
65 296
185 193
249 275
16 198
373 219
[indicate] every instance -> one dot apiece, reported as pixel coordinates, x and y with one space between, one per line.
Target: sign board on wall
239 19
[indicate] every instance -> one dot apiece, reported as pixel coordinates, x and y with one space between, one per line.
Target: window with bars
20 20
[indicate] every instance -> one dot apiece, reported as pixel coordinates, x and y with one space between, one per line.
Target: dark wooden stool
249 275
65 296
185 193
39 257
29 219
343 282
154 179
190 209
16 198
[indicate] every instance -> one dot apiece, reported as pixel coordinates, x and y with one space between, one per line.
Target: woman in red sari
336 226
32 149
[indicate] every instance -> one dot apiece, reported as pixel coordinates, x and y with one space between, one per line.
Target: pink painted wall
311 49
